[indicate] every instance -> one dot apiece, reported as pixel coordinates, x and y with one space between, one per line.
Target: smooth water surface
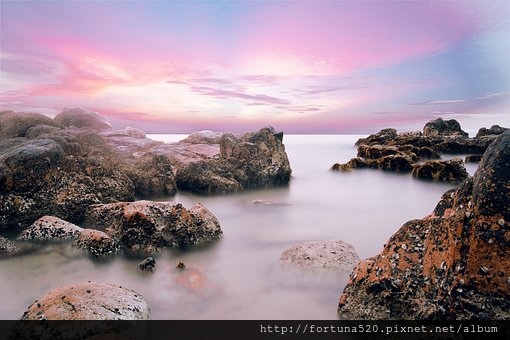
240 276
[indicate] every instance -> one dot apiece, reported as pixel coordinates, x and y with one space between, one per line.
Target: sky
300 66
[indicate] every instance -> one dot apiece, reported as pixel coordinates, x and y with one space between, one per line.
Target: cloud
439 102
490 95
228 94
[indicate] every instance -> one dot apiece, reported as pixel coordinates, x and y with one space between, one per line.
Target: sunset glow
301 66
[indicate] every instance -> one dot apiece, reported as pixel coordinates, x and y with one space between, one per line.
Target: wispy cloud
490 95
439 102
228 94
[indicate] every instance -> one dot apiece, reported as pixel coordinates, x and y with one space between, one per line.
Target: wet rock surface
50 228
148 226
89 301
450 265
412 151
149 264
320 255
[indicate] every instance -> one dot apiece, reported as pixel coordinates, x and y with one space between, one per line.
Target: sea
241 276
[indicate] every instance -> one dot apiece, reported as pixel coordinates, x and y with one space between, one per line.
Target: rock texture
89 301
82 118
148 226
405 152
7 247
452 170
50 228
96 243
452 264
252 160
320 255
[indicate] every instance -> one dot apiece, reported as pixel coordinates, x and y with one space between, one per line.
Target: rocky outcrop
50 228
148 226
82 118
405 152
440 127
320 255
494 130
452 170
61 166
203 137
96 243
252 160
450 265
89 301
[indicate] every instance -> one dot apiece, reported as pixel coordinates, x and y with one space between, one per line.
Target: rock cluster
419 152
452 264
61 166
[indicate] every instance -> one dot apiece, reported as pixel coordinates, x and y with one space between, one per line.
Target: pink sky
299 66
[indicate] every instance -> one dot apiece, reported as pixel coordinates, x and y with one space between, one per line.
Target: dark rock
473 158
147 264
82 118
15 124
89 301
493 130
152 175
440 127
382 137
398 163
491 192
96 243
448 171
253 160
376 151
181 266
50 228
7 247
449 265
320 255
148 226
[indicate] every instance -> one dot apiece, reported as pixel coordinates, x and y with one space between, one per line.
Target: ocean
240 276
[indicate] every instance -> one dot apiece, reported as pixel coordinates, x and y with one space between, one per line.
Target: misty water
240 276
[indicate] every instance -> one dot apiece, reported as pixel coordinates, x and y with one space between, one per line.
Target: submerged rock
89 301
320 255
447 171
50 228
147 264
450 265
148 226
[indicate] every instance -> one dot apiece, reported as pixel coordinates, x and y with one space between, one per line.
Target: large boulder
82 118
440 127
96 243
148 226
152 175
252 160
89 301
452 264
492 131
16 124
203 137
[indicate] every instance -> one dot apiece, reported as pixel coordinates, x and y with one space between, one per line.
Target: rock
129 131
7 247
493 130
181 266
147 264
376 151
491 186
398 163
96 243
152 175
268 203
321 255
448 171
82 118
253 160
15 124
89 301
382 137
148 226
473 158
203 137
50 228
450 265
440 127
